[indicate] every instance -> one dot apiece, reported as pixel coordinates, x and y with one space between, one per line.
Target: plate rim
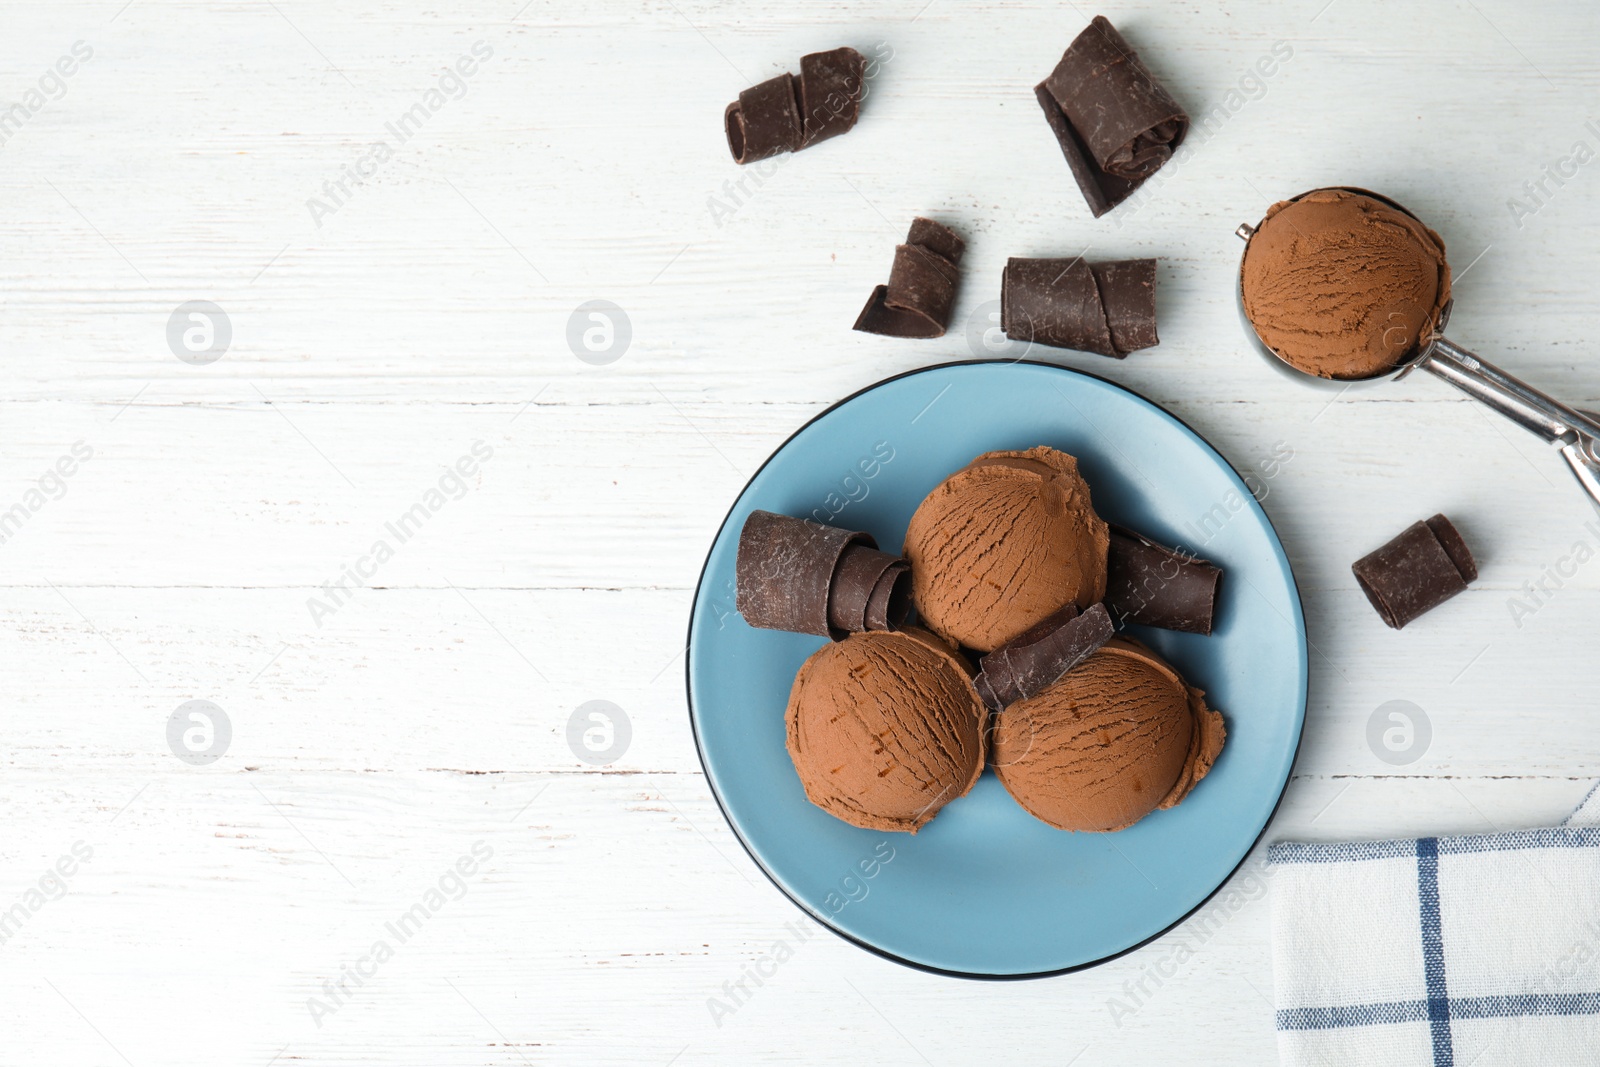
1020 976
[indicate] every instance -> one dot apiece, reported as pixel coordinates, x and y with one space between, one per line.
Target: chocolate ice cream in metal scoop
1339 286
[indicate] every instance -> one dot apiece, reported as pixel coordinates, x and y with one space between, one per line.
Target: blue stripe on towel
1392 1011
1525 1004
1560 837
1300 852
1410 1011
1549 837
1433 951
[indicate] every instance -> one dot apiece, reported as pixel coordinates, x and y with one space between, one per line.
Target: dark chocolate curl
1128 294
1101 191
1154 585
850 589
996 668
986 691
922 285
1116 124
1054 302
765 121
786 114
784 571
1107 308
1417 571
1034 661
830 93
890 602
1454 547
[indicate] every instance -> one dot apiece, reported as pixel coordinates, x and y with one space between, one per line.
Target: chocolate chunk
1417 571
1115 123
1108 308
854 583
922 285
1154 585
786 114
1033 661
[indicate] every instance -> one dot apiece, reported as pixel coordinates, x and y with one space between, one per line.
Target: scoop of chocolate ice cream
1112 740
885 728
1004 543
1343 286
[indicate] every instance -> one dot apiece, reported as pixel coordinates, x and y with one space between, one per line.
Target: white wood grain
427 313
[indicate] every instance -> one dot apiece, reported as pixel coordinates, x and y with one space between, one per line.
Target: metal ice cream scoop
1576 433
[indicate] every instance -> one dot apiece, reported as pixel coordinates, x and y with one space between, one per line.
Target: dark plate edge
694 726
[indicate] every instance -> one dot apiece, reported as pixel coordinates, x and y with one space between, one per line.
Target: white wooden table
377 334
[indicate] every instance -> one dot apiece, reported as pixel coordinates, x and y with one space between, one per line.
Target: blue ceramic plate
986 890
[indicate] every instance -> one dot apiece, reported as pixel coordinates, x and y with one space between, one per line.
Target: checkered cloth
1440 951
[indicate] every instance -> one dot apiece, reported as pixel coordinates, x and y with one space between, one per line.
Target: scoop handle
1576 433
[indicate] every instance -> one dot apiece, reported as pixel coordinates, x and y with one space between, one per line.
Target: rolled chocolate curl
1116 124
1106 308
799 575
786 114
856 580
922 285
890 602
831 86
1035 660
1128 294
1152 584
1417 571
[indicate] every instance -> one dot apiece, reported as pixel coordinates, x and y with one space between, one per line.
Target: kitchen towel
1440 951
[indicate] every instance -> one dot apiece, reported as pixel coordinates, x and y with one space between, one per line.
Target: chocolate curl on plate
864 574
1417 571
890 602
1033 661
922 285
1158 586
786 114
1107 308
799 575
1115 123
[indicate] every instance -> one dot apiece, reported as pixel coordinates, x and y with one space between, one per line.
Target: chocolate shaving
1035 660
1417 571
786 114
799 575
1154 585
1107 308
922 285
1115 123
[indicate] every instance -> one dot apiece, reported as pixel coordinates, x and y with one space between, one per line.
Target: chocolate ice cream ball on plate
885 728
1002 544
1113 739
